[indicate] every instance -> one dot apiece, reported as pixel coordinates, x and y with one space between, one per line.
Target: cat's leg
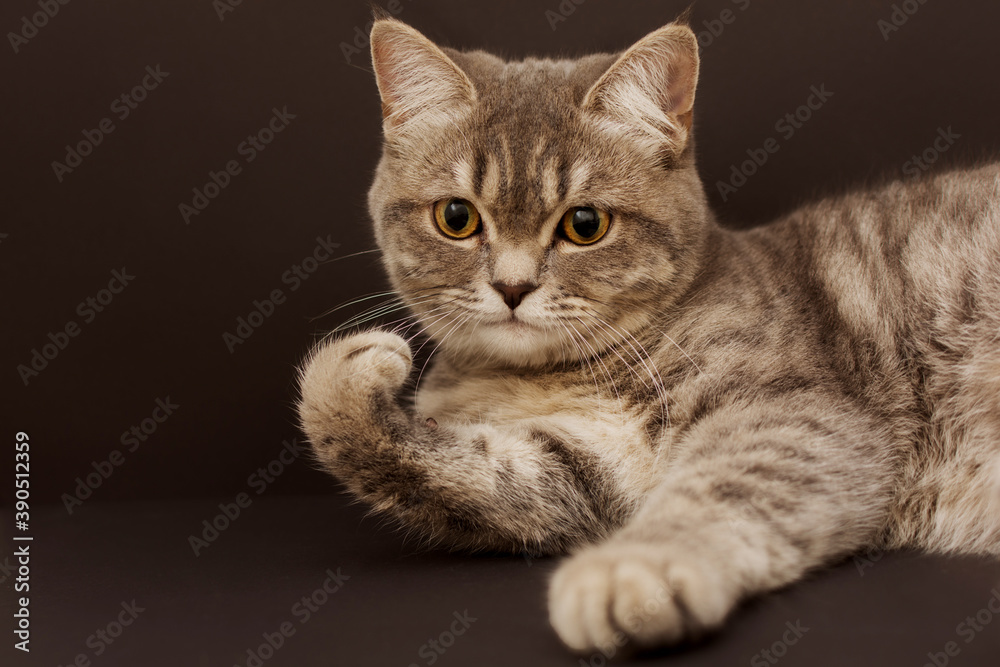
469 485
751 502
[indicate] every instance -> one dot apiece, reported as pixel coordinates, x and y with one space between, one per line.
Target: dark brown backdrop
161 337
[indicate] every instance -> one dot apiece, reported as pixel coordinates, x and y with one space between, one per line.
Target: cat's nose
513 294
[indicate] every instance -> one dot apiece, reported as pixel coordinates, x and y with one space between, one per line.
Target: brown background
162 336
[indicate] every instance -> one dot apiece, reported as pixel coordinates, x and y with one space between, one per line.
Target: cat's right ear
419 84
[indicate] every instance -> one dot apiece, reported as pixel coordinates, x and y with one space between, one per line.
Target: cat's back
893 292
909 256
897 290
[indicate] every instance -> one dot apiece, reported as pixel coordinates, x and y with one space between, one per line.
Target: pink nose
513 294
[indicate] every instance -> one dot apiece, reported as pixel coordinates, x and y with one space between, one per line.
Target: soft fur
694 414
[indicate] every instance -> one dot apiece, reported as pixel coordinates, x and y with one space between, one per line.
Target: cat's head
536 211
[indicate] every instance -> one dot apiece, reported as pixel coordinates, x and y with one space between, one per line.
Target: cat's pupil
586 222
456 215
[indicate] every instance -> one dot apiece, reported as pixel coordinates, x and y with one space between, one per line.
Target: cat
694 414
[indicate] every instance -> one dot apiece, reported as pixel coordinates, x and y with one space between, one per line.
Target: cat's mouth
515 322
512 323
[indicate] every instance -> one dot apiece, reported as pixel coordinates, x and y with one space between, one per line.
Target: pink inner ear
663 67
678 90
384 75
414 76
393 56
670 71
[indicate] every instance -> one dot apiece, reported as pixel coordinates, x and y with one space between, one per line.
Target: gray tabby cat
695 414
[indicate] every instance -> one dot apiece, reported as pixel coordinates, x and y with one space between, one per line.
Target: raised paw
341 378
373 357
617 598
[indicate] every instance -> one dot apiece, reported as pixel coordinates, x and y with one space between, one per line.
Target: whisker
381 310
650 367
427 326
635 353
456 325
353 254
375 295
405 324
693 363
352 302
597 357
586 359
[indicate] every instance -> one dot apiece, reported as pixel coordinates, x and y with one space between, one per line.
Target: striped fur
695 414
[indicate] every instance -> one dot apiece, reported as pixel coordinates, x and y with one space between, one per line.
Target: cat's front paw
364 359
343 380
617 598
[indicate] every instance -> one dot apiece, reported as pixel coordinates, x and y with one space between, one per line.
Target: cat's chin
511 343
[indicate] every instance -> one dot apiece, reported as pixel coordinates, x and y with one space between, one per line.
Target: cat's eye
585 225
456 218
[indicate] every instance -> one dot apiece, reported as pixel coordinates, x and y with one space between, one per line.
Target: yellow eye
456 218
585 225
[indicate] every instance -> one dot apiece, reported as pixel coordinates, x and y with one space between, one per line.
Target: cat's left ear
651 86
418 82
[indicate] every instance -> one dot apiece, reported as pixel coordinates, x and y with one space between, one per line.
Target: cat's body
717 411
828 303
